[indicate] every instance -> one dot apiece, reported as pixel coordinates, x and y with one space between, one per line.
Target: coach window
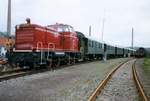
108 47
92 44
100 46
96 44
89 43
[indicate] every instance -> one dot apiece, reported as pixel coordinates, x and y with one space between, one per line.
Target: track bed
121 86
74 83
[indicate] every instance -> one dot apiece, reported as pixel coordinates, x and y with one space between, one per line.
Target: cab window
60 29
71 29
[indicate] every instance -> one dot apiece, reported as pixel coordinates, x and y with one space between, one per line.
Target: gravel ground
143 76
74 83
121 87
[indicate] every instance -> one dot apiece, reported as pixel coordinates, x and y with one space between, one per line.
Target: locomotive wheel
50 62
69 61
57 62
74 60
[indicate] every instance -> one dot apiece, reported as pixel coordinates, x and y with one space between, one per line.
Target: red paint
33 37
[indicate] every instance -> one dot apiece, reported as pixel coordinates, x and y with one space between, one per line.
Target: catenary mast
132 38
90 30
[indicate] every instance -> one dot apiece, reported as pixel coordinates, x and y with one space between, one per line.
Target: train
50 46
141 52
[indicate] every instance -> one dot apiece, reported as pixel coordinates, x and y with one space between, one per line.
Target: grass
146 66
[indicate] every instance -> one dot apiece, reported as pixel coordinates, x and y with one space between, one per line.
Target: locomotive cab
68 37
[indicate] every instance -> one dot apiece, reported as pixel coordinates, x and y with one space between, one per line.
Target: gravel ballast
144 76
74 83
121 86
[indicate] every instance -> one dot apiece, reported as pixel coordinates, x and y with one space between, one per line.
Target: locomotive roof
80 34
59 24
110 44
35 25
100 41
54 28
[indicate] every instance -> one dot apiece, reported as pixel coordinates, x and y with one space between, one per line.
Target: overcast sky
120 16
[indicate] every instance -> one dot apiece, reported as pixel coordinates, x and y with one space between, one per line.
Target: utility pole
103 25
90 30
9 18
104 46
103 28
132 38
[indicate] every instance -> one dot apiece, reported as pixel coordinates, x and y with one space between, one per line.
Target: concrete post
9 18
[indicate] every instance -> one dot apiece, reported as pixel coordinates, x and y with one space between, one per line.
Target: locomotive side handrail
40 43
53 48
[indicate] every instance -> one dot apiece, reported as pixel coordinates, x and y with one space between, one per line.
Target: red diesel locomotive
39 46
58 37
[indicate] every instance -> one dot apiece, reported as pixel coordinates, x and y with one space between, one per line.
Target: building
2 51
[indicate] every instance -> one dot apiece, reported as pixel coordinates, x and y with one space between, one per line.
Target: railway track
138 83
104 82
14 73
23 72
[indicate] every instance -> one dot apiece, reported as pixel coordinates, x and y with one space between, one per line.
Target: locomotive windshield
61 28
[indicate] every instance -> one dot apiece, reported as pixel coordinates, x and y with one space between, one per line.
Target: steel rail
12 71
6 75
13 75
138 83
102 84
